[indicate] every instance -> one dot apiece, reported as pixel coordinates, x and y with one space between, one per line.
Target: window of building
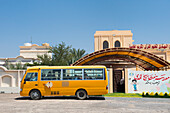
93 74
72 74
105 45
117 44
51 74
31 77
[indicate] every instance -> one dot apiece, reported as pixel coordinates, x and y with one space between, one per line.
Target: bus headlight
20 89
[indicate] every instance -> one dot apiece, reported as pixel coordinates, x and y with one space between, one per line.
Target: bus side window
51 74
93 74
31 77
72 74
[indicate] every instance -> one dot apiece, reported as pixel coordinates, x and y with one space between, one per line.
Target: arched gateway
118 60
143 59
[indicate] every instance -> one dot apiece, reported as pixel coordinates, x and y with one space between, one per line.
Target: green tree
18 65
61 54
11 66
7 65
76 54
24 66
45 59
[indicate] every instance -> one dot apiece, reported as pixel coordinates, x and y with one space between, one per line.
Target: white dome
27 44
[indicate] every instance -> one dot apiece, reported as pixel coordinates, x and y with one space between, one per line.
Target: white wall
10 80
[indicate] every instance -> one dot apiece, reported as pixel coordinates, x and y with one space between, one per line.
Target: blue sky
75 22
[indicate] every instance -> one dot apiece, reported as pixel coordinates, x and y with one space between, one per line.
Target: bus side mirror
25 81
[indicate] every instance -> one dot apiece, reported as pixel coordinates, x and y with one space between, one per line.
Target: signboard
148 81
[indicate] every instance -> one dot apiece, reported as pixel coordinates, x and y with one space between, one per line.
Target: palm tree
11 66
45 59
7 65
61 54
18 66
76 54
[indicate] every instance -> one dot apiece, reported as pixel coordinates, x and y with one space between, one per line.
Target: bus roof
64 67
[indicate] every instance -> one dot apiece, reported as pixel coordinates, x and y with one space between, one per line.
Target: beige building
118 67
28 54
161 50
123 38
18 59
32 50
111 39
10 79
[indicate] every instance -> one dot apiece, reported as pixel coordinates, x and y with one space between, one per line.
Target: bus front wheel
35 95
81 94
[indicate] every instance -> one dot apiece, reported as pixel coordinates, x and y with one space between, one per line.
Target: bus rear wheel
35 95
81 94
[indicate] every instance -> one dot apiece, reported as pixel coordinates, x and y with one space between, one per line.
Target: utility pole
31 39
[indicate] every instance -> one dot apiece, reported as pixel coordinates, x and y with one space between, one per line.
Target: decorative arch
117 43
19 57
105 44
3 68
6 80
143 59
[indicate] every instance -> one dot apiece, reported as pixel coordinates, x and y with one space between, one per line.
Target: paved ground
13 103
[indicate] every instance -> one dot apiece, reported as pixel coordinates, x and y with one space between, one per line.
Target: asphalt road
13 103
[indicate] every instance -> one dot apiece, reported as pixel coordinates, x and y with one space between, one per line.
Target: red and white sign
49 84
148 81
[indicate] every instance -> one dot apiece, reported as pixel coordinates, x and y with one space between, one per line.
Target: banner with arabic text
148 81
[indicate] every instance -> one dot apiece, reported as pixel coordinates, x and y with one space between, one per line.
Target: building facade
123 38
161 50
18 59
118 68
32 50
28 54
111 39
10 79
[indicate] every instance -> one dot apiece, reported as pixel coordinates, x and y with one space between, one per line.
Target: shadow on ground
63 98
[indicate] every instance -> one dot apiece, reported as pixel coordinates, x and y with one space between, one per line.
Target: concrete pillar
111 80
126 80
111 42
137 68
18 78
0 81
100 45
12 82
123 74
121 41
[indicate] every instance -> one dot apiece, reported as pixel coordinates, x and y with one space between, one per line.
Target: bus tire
81 94
35 95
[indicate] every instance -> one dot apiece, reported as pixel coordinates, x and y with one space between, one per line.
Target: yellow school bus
81 81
